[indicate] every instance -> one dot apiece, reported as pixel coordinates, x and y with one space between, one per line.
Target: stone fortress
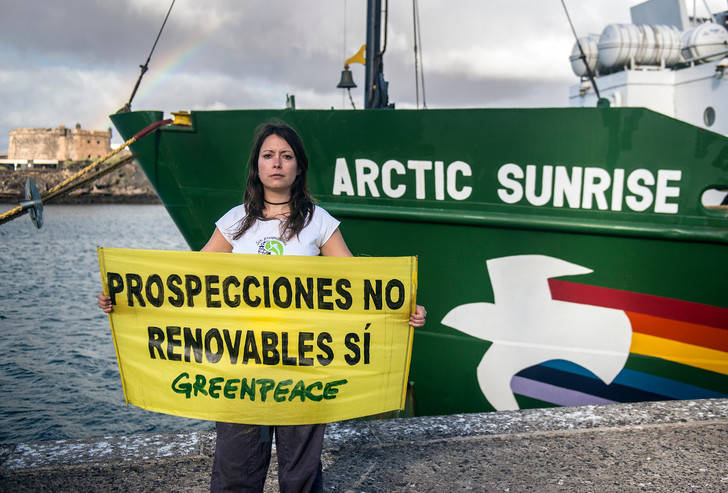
51 147
51 155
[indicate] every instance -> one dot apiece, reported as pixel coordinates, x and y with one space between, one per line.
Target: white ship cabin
666 60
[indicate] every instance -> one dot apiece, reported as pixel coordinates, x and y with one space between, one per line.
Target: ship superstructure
666 60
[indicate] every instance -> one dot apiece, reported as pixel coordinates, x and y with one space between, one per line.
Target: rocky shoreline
125 185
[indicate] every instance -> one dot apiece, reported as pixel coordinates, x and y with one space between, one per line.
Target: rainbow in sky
162 69
679 351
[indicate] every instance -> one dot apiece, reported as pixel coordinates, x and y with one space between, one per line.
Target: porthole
709 116
715 200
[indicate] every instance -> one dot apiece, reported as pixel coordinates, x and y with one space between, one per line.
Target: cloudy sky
76 61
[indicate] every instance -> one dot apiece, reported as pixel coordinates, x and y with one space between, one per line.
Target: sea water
59 376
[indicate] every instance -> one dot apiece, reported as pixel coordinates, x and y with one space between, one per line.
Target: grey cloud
77 60
77 31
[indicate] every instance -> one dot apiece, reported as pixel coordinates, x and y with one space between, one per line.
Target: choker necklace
276 203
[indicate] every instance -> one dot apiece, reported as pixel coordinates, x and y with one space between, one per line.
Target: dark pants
242 455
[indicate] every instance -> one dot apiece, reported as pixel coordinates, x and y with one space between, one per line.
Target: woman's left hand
417 319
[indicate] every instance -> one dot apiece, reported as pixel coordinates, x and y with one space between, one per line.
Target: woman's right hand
104 302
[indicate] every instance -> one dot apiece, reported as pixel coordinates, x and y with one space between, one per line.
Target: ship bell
347 81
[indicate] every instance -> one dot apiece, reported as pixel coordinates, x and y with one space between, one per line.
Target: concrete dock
674 446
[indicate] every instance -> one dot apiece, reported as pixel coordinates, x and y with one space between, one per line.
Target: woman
277 216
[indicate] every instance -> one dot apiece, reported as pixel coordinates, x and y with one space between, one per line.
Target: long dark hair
301 204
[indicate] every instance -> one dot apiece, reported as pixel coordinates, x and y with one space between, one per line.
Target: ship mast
375 94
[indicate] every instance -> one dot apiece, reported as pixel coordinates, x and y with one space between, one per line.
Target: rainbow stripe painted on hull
679 351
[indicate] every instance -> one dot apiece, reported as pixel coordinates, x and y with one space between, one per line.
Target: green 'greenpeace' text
240 388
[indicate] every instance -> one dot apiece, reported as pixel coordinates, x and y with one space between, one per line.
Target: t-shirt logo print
274 246
270 246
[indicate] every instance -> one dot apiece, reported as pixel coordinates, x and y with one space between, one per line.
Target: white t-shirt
264 237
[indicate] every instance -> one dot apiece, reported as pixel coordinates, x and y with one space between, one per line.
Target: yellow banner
261 339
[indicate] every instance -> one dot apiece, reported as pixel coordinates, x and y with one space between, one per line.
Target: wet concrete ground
674 446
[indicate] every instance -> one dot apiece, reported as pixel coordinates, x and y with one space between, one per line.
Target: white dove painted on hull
527 327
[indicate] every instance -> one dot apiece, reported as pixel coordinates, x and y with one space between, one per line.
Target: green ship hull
565 257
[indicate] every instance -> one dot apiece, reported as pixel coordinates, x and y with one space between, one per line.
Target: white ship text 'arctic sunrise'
576 187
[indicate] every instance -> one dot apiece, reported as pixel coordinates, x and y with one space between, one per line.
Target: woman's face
277 166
